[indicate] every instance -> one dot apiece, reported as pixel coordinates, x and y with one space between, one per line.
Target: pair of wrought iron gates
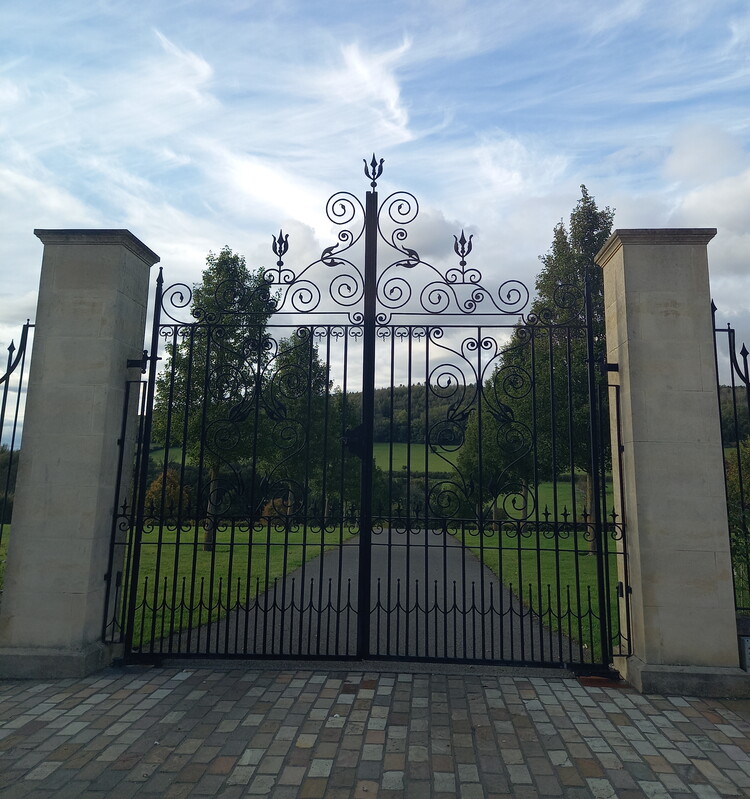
387 460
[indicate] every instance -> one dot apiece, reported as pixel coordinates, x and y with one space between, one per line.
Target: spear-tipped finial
280 246
462 247
373 170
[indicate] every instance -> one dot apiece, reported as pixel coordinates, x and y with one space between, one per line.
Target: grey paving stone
440 736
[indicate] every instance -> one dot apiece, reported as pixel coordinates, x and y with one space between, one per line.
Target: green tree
735 419
738 506
544 368
495 458
300 411
8 471
207 394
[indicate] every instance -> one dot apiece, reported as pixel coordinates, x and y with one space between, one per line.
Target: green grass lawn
552 574
401 452
240 566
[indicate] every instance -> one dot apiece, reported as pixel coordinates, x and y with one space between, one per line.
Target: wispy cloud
199 125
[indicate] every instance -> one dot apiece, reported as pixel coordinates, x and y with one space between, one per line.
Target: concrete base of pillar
42 664
708 681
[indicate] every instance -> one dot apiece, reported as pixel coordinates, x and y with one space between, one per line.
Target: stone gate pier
90 320
660 336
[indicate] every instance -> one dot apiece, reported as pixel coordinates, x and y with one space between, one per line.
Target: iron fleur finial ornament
280 246
373 170
462 247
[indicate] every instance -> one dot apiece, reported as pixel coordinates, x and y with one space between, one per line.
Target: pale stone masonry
90 320
660 335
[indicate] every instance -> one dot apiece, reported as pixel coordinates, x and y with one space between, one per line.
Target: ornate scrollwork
424 289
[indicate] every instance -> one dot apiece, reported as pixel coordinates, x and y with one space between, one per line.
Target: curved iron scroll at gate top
406 286
388 463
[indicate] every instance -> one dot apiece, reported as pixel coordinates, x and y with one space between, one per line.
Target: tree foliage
534 422
735 419
738 506
207 393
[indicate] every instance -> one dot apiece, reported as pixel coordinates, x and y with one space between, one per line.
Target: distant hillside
735 416
400 412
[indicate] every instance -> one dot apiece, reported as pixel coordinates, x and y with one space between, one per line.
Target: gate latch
621 590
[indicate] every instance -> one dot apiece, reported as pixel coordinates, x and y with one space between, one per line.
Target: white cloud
613 15
514 166
365 83
216 125
703 152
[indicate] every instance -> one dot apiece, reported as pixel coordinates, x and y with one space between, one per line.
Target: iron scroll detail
407 285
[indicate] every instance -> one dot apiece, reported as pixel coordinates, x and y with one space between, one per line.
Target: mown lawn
240 566
553 571
554 575
402 451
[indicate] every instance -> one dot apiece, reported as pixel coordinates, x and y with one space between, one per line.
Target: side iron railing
733 387
12 402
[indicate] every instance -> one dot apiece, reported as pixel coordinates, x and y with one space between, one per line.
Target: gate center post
368 412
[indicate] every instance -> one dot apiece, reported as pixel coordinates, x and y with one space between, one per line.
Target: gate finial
280 247
373 170
462 247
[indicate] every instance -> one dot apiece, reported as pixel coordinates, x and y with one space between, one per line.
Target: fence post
660 335
90 320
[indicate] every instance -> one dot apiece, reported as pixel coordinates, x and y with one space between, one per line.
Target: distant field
382 457
401 453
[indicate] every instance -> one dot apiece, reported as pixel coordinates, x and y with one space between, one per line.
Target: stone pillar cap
97 236
666 236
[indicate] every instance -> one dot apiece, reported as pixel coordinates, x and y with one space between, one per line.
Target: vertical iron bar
113 532
389 563
596 454
481 520
142 467
553 333
368 408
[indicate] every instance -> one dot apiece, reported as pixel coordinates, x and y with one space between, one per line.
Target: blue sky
197 124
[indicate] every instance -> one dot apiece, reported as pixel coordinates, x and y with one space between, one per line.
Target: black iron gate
386 460
733 387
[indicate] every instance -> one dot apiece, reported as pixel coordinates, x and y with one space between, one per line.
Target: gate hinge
140 363
612 367
621 590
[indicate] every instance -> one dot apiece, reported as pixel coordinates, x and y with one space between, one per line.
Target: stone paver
312 733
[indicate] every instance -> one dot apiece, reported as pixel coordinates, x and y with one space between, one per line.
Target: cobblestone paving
301 733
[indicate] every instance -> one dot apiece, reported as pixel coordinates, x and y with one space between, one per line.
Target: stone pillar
90 320
660 334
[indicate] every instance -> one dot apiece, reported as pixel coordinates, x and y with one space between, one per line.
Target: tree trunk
593 547
209 537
